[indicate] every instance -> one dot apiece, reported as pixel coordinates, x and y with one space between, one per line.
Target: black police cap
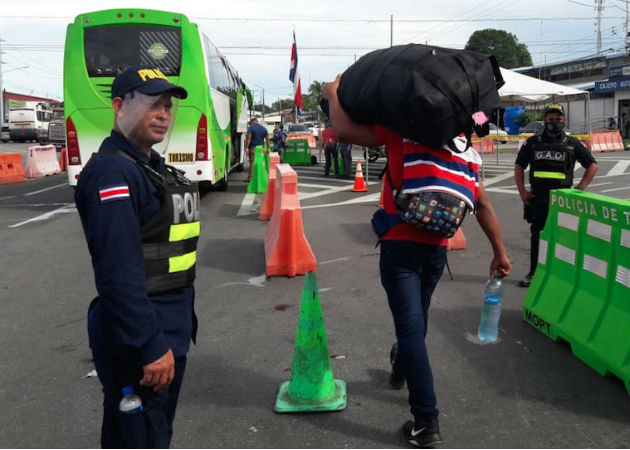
146 79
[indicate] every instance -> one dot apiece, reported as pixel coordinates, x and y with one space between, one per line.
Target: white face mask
135 107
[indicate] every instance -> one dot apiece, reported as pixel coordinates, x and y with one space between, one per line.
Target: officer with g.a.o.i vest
141 222
551 158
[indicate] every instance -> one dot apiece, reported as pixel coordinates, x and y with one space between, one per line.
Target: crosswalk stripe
618 169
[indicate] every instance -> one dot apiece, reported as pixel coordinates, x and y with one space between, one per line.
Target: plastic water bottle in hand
130 403
491 309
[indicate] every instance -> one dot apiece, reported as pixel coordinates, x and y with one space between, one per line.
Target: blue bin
511 119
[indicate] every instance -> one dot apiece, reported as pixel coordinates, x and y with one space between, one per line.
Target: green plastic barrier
581 289
296 152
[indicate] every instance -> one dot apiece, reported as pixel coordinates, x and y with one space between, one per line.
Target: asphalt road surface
524 391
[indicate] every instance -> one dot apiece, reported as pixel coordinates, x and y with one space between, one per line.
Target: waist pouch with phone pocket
446 189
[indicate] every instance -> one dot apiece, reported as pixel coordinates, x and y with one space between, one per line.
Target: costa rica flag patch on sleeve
112 193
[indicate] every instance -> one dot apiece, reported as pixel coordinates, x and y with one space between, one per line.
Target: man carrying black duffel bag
412 259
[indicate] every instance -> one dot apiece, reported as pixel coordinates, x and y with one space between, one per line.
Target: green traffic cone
340 167
312 387
260 176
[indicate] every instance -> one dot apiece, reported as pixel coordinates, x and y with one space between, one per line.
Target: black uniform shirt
580 152
114 197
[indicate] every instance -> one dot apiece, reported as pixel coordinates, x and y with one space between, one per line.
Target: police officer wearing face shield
551 158
141 223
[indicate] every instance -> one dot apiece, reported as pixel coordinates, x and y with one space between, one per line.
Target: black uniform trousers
151 428
536 215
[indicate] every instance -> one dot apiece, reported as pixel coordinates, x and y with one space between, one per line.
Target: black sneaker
527 280
425 434
396 380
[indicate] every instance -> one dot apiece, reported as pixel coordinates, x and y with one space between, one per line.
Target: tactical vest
551 165
169 238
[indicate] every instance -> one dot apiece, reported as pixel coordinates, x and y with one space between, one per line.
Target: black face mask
554 127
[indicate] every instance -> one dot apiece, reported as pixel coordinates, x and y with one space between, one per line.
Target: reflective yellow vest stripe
181 263
183 231
551 175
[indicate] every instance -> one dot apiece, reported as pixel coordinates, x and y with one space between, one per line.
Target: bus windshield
110 49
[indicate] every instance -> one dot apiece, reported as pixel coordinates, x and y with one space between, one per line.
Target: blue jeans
409 273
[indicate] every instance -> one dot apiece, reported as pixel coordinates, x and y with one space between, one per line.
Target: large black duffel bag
424 93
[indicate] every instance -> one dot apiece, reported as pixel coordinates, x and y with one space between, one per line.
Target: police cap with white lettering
554 107
146 79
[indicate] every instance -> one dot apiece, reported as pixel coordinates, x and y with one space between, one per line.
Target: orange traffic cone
63 163
359 182
458 241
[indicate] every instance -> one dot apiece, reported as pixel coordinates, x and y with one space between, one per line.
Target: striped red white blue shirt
441 170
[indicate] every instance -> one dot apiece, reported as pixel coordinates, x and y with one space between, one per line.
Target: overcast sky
329 33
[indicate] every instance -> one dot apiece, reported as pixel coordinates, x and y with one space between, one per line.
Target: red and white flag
294 76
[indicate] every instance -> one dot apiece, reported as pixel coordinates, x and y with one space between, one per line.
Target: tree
503 45
282 103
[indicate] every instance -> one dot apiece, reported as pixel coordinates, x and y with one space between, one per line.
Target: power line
368 20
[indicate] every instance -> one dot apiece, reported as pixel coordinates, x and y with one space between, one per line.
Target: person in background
345 151
278 140
256 135
551 158
328 142
411 264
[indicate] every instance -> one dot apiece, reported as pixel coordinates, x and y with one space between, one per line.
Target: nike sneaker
396 380
422 434
527 280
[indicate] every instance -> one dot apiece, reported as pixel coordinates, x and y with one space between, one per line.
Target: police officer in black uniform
141 223
551 159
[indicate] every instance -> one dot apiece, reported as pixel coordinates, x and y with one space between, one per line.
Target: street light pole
391 30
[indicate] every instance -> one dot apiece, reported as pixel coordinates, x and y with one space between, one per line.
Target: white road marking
330 190
321 186
246 205
334 261
363 199
69 208
498 178
618 169
502 190
616 189
45 189
258 281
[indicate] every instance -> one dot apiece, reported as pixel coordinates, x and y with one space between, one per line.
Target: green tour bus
207 138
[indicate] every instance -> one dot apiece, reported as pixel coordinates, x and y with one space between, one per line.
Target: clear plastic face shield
147 120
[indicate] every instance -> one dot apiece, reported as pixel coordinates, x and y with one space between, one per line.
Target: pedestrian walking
412 260
141 222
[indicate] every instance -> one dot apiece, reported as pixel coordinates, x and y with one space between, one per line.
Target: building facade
605 76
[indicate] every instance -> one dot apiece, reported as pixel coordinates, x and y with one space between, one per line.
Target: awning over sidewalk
519 88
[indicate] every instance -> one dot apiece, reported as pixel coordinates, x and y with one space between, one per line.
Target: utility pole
391 30
599 7
263 105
